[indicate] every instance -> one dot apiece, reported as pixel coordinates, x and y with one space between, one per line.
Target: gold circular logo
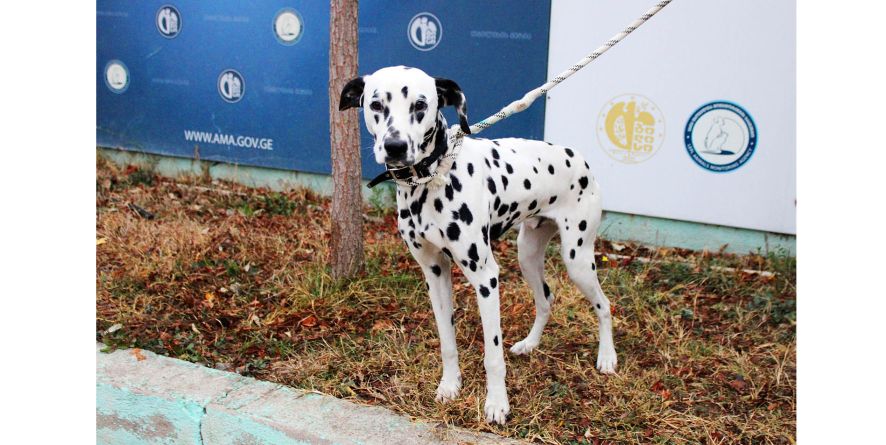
630 128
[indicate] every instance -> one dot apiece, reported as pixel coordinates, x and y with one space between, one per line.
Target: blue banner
247 83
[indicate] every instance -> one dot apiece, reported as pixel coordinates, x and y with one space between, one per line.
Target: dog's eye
421 106
375 106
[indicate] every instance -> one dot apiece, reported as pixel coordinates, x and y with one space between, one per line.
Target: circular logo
630 128
288 26
425 31
231 86
169 21
116 76
720 136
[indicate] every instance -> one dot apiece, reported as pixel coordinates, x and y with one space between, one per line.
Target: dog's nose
396 148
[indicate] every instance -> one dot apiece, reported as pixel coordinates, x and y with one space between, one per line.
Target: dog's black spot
491 185
509 169
553 198
473 266
593 266
502 210
404 213
527 184
582 225
405 91
436 269
598 306
504 181
495 340
547 290
419 116
487 163
484 291
495 142
493 282
470 169
513 206
495 231
583 181
485 235
572 254
452 319
456 184
568 164
453 231
376 118
472 252
550 169
388 94
448 191
496 203
569 152
446 251
580 241
495 154
535 170
438 205
533 204
464 214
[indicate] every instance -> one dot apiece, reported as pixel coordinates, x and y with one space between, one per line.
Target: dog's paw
606 361
497 408
523 347
448 390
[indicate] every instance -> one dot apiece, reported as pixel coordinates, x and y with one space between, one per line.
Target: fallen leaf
137 353
113 328
100 241
309 321
382 325
738 384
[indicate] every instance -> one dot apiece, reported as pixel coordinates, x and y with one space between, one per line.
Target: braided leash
530 97
438 176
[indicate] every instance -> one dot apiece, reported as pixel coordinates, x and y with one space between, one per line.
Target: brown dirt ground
235 278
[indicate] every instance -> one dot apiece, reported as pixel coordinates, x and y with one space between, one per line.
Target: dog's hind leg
577 248
531 242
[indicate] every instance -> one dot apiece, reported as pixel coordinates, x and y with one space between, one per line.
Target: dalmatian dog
492 186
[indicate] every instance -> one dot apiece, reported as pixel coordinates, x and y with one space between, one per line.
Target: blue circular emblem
424 31
231 85
169 21
720 136
116 76
288 26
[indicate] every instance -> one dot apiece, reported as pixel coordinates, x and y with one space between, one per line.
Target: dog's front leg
438 275
485 281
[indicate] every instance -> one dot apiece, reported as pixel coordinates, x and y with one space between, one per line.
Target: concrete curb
144 398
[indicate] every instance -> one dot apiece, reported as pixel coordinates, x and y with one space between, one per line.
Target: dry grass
235 278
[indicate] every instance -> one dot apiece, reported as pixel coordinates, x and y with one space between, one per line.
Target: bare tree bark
346 244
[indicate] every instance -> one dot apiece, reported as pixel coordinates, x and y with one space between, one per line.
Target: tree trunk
346 244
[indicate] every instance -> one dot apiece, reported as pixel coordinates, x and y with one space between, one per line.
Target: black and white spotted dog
493 185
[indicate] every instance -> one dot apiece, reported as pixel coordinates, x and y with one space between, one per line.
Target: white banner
691 117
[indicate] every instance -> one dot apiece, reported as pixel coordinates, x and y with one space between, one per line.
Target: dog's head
401 108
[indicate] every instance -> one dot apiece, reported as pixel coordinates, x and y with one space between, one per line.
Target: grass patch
235 278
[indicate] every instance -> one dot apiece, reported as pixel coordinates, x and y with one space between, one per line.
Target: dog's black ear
352 94
449 93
